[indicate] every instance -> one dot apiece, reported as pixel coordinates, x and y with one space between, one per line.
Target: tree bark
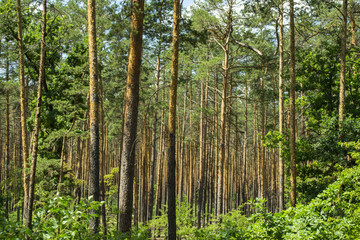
263 168
131 116
246 173
292 107
172 123
281 105
202 152
223 114
343 64
7 142
94 185
23 109
154 139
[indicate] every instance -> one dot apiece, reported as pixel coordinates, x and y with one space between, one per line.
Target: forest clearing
158 119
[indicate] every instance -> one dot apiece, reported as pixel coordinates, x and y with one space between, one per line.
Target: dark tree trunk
172 124
7 142
292 107
281 106
131 116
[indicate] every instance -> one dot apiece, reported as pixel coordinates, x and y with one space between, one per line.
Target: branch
257 51
223 48
333 5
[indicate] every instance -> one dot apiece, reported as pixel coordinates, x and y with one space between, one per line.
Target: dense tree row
239 100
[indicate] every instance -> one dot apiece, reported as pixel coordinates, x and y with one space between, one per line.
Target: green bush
58 218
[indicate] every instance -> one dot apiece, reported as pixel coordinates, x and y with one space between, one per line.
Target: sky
187 3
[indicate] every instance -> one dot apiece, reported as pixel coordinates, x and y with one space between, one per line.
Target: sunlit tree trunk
343 64
94 185
172 124
131 116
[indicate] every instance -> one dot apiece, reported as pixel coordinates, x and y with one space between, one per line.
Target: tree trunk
160 164
292 107
343 64
263 173
222 146
154 139
94 185
246 173
281 106
7 142
202 153
102 158
131 116
172 124
35 139
23 109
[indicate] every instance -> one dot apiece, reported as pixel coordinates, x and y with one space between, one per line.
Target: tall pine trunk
154 139
281 106
94 186
292 107
23 109
172 124
131 117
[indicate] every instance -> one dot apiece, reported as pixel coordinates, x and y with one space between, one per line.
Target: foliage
59 218
334 214
185 220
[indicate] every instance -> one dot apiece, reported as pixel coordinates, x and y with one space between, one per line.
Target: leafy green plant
61 218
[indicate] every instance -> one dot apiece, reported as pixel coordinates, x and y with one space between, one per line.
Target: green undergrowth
333 214
59 218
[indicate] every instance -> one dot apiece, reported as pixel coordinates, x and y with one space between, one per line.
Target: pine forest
159 119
